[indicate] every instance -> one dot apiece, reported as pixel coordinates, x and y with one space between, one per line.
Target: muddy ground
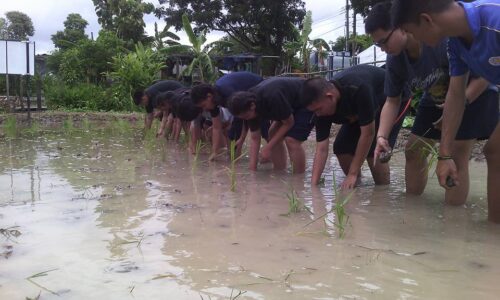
54 118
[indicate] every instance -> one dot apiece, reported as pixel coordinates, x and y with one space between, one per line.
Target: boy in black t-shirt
213 99
353 99
146 98
278 100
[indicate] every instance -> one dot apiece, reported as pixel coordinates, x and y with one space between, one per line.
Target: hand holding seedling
381 148
447 173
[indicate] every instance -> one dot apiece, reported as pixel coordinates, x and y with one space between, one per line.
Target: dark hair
241 102
201 91
409 11
313 89
379 17
185 108
137 96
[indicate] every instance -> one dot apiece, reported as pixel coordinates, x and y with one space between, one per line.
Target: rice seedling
197 150
10 232
295 204
10 126
432 153
342 218
68 126
121 126
37 297
86 125
33 129
236 296
41 274
234 160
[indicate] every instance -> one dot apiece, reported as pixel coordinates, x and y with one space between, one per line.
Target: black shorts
302 126
347 138
479 121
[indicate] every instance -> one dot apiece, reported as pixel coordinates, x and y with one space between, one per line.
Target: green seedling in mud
41 274
10 232
86 125
34 128
10 126
121 126
339 209
37 297
68 126
432 152
342 217
294 203
234 160
236 296
197 150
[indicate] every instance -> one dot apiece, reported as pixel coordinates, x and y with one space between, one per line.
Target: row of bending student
367 101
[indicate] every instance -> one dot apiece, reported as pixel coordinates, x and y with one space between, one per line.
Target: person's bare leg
381 172
492 153
297 155
345 162
461 153
278 156
416 171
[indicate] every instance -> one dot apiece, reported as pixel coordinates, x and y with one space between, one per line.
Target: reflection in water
117 217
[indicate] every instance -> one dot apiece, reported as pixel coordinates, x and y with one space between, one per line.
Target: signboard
17 57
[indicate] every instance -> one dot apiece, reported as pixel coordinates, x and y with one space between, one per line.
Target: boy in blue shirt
424 68
474 45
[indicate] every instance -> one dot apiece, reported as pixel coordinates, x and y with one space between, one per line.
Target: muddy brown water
107 214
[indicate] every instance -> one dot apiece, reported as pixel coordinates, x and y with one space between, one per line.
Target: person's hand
447 173
438 124
349 182
382 147
265 154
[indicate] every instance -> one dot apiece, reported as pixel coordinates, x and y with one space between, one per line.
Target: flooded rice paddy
106 213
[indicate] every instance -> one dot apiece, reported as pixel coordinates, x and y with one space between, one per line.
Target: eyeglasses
386 40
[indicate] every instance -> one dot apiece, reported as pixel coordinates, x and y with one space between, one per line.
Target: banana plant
202 63
165 37
303 45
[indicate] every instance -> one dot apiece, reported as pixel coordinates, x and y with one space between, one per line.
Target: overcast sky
48 17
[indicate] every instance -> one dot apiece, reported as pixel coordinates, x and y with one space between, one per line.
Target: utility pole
354 44
346 25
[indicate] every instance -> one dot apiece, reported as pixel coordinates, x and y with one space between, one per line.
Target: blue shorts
479 121
303 124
